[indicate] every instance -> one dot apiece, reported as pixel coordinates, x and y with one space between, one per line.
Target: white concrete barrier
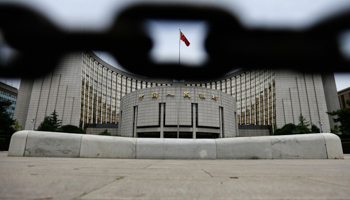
54 144
333 145
244 148
18 143
97 146
156 148
308 146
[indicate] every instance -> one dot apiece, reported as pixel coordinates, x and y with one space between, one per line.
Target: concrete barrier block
148 148
155 148
52 144
97 146
18 143
307 146
333 146
244 148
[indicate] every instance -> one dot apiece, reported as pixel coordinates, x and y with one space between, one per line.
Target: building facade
9 93
86 90
178 111
344 95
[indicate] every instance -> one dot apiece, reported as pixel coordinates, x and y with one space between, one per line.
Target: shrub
105 132
72 129
286 129
315 129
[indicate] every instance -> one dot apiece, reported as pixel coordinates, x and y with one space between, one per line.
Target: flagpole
179 44
178 114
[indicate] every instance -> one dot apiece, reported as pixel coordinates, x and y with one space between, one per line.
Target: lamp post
320 126
33 122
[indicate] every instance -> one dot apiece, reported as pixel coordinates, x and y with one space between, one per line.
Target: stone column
220 121
194 121
135 121
162 120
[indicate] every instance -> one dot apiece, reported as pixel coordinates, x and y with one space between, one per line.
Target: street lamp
33 122
320 126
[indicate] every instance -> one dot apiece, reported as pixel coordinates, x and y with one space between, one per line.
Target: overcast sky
97 15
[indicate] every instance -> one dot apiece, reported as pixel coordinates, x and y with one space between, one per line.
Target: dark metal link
40 44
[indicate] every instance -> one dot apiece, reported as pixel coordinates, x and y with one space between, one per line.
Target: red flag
183 38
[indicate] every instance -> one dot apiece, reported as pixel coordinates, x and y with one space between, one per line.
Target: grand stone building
343 96
8 93
86 90
178 111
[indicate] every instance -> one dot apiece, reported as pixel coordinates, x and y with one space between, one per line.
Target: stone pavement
83 178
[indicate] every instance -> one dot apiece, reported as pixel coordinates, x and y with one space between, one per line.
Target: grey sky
95 15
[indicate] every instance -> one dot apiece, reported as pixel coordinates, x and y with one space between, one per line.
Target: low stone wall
54 144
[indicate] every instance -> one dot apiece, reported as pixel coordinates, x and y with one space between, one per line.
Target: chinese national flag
183 38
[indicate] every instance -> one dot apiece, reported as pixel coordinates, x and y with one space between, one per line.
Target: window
343 101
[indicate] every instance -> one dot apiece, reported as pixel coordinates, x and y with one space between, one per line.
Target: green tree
343 117
55 121
50 123
335 129
46 125
71 129
6 123
286 129
302 127
291 128
17 127
314 129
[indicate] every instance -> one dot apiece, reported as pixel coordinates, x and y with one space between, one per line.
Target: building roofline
343 90
129 75
9 88
123 73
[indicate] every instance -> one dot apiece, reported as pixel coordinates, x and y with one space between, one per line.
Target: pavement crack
147 166
208 173
323 182
117 179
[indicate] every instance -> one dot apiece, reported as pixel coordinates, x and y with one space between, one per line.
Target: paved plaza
83 178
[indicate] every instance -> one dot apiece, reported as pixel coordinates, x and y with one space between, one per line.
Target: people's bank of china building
85 90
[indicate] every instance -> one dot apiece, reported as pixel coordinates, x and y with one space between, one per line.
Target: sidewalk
82 178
